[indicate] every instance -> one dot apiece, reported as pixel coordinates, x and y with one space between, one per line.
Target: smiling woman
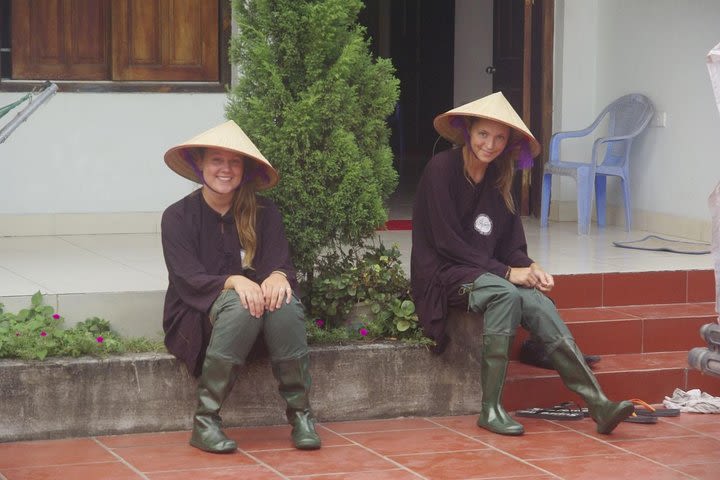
469 251
230 279
222 172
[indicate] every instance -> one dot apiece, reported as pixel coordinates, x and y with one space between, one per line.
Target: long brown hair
504 162
245 213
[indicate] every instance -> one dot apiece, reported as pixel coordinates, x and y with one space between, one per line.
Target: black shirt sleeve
195 287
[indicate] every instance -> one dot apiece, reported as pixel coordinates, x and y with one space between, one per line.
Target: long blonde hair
245 213
506 172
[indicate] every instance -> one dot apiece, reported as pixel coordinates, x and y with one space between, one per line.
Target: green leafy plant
37 333
371 278
314 100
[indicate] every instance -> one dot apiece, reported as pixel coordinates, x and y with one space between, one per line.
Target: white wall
100 153
657 47
473 49
574 90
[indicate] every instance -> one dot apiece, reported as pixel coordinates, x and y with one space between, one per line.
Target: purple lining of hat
187 156
254 172
524 159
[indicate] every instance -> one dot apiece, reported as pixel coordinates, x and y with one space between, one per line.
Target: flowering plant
370 280
36 333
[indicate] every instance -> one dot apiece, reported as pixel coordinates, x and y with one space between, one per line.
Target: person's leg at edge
233 335
284 332
541 319
499 302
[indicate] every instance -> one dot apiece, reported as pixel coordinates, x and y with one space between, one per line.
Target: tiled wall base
79 223
659 223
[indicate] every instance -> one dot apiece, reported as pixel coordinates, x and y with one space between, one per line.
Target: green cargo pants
506 306
235 330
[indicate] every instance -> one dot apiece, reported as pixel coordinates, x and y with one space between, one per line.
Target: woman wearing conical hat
230 279
469 251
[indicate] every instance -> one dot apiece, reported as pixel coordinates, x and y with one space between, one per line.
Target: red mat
398 225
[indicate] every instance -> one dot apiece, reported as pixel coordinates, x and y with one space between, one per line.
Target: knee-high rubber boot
215 383
293 377
493 416
577 376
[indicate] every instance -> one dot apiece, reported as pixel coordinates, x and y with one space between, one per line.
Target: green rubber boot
493 416
215 383
293 377
568 360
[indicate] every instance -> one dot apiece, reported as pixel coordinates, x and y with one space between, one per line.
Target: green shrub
315 102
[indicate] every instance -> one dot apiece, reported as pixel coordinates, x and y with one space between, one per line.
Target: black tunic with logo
460 231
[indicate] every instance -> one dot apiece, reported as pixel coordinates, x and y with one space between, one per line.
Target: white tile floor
123 278
133 262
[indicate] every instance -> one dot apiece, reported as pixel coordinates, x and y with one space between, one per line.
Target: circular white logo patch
483 224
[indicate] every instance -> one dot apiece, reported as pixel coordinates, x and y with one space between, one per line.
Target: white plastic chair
628 117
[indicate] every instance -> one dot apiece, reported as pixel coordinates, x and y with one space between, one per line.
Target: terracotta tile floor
444 448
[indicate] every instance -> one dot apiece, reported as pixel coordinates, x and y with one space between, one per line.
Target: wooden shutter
165 40
60 39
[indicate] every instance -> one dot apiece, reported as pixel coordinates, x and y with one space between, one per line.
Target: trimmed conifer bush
314 100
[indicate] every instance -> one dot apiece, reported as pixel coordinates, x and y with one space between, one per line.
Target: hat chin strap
187 156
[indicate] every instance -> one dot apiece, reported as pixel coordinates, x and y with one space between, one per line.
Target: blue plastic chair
628 117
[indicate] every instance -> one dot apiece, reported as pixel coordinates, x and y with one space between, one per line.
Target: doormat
398 225
653 242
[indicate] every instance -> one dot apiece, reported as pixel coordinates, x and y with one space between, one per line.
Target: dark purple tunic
460 231
202 250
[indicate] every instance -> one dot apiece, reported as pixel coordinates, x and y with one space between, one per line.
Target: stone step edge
62 398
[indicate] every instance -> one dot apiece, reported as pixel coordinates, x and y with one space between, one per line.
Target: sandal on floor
644 409
635 418
552 413
572 407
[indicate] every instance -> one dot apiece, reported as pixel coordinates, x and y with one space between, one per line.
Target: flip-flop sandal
551 413
635 418
644 409
572 407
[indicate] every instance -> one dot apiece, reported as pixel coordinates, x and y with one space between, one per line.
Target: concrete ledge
59 398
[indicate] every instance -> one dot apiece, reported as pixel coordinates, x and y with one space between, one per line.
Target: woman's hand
275 289
532 277
543 280
250 293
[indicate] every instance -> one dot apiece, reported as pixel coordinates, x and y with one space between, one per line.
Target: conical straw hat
227 136
493 107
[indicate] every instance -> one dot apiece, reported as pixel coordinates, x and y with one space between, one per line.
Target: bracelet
507 273
280 272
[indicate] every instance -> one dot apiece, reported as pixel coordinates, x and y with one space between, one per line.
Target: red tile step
633 288
635 328
643 324
649 376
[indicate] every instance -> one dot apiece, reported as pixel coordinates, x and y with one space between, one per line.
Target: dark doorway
418 36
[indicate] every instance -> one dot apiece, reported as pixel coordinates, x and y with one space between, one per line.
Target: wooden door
165 40
510 50
522 70
60 39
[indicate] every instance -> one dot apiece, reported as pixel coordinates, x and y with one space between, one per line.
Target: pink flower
43 333
17 334
319 322
364 332
56 316
100 339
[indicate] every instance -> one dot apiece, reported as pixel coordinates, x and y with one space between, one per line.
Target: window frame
102 86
